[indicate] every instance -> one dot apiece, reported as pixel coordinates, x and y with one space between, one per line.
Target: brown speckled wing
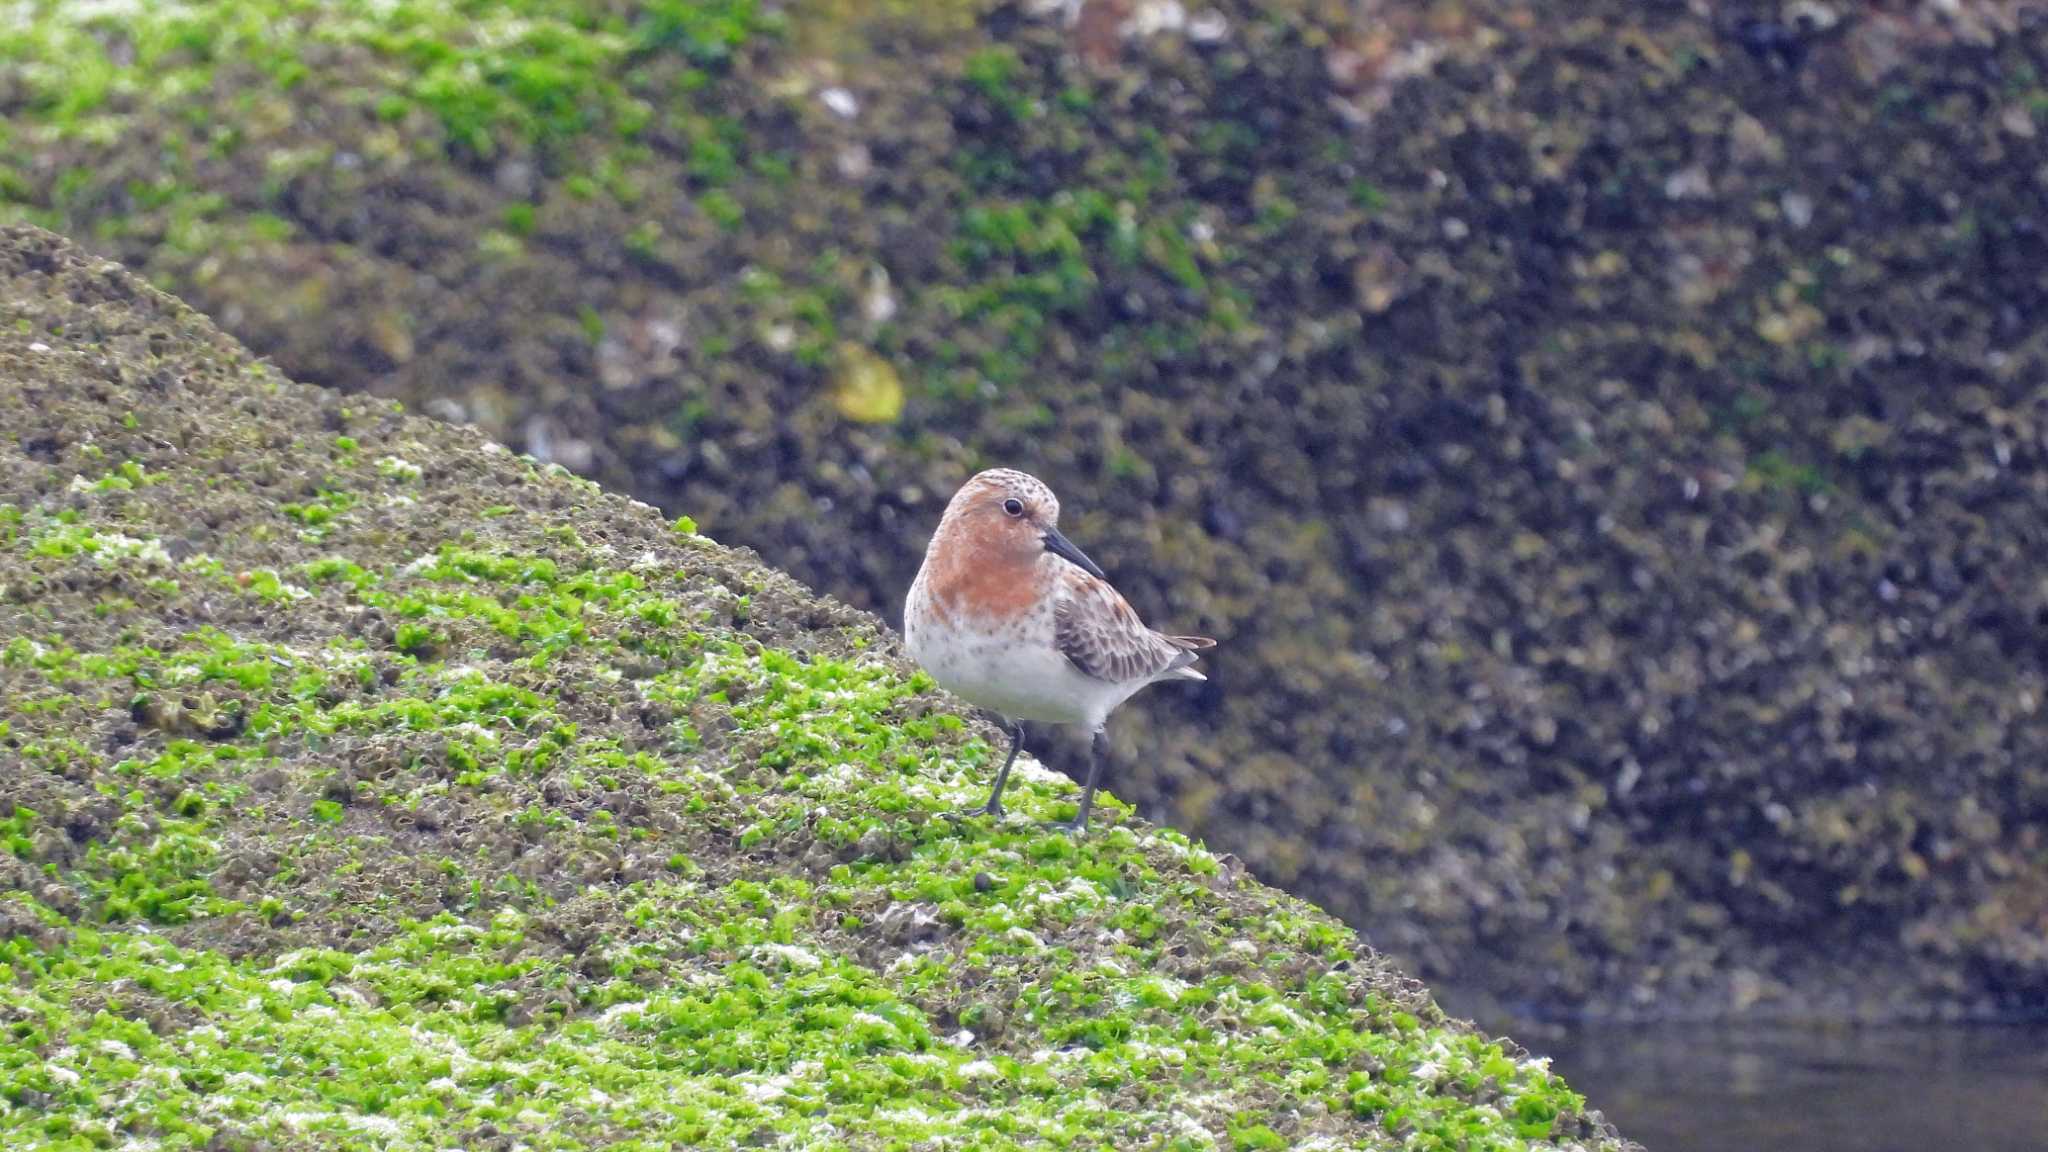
1099 633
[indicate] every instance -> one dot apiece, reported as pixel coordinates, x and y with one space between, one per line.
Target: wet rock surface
363 785
1610 445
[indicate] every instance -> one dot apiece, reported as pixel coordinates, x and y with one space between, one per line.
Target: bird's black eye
1014 507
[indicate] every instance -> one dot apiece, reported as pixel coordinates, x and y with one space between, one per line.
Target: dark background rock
1609 444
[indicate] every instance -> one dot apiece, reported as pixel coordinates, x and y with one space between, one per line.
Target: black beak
1064 548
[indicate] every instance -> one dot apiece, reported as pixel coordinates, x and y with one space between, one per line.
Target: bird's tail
1183 665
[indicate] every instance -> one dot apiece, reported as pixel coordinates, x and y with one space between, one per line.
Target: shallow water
1691 1088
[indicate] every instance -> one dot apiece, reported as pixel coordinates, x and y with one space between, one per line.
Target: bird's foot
1074 828
993 808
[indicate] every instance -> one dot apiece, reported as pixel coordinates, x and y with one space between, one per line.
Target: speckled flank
1013 668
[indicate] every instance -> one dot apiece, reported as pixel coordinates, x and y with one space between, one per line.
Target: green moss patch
1608 445
375 788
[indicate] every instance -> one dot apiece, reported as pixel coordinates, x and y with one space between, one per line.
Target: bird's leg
994 807
1098 752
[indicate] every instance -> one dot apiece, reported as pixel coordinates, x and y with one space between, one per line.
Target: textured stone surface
1609 443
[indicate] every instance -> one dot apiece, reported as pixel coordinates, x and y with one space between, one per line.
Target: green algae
382 823
1520 424
537 71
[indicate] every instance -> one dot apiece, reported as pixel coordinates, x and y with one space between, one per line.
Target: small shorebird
1008 614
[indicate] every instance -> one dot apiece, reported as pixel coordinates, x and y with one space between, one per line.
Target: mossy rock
1609 445
368 786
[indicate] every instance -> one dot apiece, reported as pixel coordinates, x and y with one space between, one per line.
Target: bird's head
1010 517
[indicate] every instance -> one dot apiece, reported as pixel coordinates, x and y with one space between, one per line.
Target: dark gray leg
1098 752
994 807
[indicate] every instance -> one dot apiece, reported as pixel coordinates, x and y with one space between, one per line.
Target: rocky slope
367 786
1609 442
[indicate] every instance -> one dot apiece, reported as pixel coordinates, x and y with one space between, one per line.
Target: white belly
1015 673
